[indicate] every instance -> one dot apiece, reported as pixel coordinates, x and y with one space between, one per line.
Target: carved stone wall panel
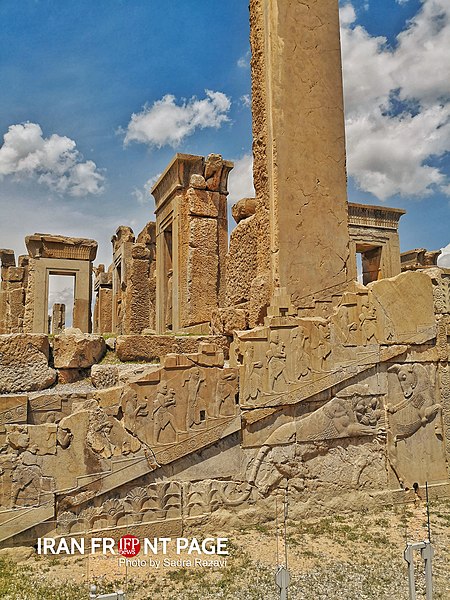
402 320
318 471
444 381
13 409
441 289
182 408
205 497
415 436
287 365
442 340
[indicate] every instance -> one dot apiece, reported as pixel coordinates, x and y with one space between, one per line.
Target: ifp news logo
129 546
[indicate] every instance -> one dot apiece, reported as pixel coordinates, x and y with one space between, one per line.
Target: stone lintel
366 215
178 174
419 258
175 177
47 245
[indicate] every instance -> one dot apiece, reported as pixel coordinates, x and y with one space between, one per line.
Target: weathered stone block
227 320
201 203
153 347
104 376
76 350
13 409
24 363
405 308
244 208
71 375
14 274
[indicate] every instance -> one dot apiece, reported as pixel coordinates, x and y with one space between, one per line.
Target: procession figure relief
163 420
299 343
253 375
193 382
276 363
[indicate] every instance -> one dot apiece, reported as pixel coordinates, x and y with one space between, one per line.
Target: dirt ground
349 556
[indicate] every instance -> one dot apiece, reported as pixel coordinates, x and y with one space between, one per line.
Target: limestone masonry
213 373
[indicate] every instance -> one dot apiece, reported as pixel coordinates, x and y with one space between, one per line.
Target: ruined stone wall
132 299
12 292
191 217
203 223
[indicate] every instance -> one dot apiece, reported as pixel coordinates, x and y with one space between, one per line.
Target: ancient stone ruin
239 368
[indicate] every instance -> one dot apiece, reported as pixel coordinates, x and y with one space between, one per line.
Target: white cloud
244 61
444 258
144 196
246 100
241 179
53 161
61 293
397 103
168 123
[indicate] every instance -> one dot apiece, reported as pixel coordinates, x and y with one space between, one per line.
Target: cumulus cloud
397 103
444 258
53 161
168 123
143 195
241 179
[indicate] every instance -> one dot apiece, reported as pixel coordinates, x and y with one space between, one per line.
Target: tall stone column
299 147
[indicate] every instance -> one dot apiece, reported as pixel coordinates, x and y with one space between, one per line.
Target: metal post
426 551
427 556
408 555
283 580
119 595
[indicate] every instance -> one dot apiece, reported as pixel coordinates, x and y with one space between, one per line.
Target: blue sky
73 73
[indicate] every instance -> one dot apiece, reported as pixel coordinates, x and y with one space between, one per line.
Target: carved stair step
17 520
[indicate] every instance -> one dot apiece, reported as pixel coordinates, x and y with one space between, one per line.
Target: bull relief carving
412 410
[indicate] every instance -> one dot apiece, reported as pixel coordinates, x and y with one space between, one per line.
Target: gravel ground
354 556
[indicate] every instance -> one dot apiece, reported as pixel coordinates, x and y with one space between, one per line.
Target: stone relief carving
411 408
226 392
204 497
441 293
193 382
320 346
417 408
132 408
346 325
356 414
299 343
368 322
16 413
253 376
276 363
25 485
98 434
153 502
165 431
